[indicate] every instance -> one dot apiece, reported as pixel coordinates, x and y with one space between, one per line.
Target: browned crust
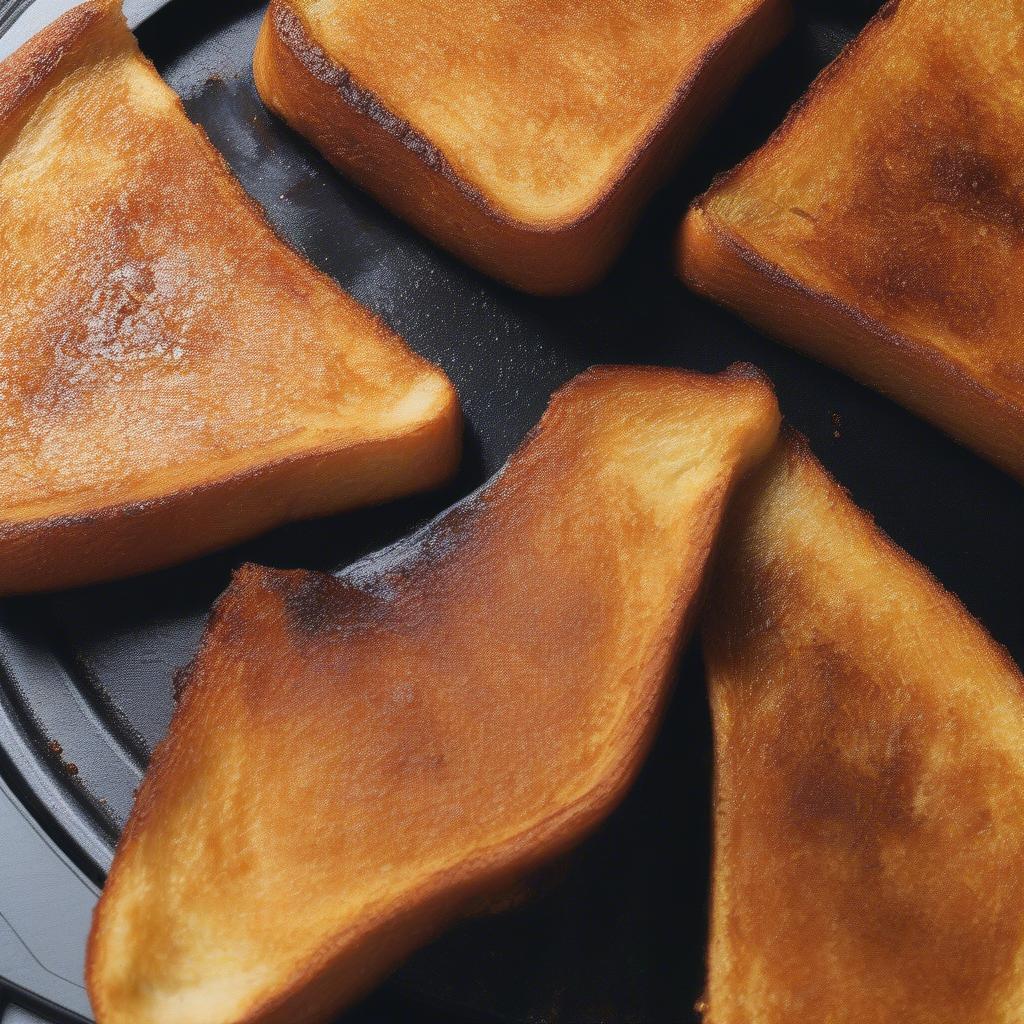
137 536
288 55
774 273
287 24
394 930
737 372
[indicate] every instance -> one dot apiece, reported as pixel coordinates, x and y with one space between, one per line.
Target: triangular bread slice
869 761
356 760
523 136
173 377
881 228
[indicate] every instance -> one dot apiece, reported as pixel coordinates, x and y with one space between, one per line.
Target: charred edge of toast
291 33
26 72
736 372
846 56
948 369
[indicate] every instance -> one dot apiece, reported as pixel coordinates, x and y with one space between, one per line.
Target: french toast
357 761
869 761
522 135
881 228
173 377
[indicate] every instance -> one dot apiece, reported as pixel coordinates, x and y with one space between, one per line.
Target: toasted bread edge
715 262
134 537
53 52
390 159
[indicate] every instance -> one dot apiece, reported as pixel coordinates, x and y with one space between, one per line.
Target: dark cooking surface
616 931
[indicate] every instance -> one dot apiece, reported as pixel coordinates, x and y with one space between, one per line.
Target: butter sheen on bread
173 377
523 135
869 762
881 228
356 761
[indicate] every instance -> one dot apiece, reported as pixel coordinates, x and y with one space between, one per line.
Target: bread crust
75 540
405 170
717 259
140 536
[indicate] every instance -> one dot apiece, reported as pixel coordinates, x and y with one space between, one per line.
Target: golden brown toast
172 376
881 228
522 135
869 797
355 761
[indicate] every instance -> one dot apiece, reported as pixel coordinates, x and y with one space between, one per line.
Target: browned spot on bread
977 184
323 611
848 796
936 170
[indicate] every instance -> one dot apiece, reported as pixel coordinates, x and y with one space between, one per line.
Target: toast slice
356 761
173 377
881 228
869 797
523 136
